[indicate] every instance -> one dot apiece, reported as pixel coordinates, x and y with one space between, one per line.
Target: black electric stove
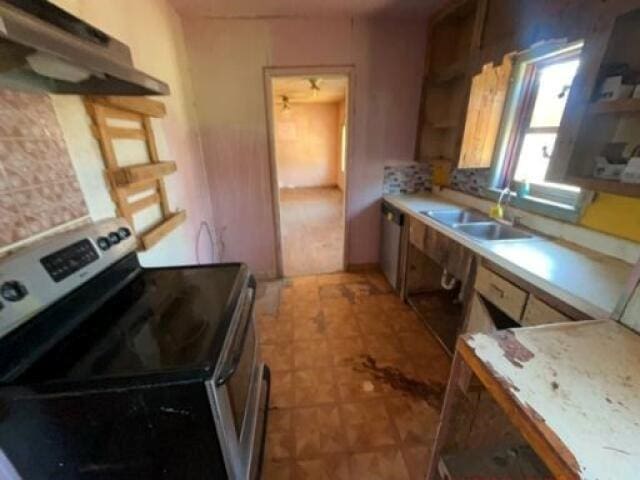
133 372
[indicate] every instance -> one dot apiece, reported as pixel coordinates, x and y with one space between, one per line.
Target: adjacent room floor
357 380
312 229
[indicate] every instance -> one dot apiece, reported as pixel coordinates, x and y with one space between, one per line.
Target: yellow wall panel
615 215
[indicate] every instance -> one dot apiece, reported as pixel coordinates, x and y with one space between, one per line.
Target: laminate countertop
589 281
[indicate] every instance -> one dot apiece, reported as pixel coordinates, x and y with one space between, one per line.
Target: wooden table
571 390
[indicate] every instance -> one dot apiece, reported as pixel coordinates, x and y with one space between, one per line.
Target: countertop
571 389
588 281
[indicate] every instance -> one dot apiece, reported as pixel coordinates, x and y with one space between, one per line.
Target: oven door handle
232 359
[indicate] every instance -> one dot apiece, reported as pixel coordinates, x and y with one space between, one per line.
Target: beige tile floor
357 381
312 230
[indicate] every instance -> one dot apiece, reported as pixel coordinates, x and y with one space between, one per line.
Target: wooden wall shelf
623 105
588 126
135 188
450 73
607 186
139 173
153 236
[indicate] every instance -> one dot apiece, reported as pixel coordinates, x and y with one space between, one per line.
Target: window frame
544 199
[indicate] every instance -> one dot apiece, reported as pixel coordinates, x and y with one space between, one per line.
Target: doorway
309 138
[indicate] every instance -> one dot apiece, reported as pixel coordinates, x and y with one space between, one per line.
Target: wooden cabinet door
479 319
417 233
484 114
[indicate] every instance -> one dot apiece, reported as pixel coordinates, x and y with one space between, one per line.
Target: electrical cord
204 225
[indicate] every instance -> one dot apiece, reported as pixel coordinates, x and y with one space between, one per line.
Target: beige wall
153 31
228 57
307 141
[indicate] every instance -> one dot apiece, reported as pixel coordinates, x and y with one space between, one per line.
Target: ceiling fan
294 96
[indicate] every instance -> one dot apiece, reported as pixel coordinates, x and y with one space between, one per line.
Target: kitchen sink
492 231
458 216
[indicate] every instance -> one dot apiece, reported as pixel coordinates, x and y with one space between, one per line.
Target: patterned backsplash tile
38 186
411 178
473 181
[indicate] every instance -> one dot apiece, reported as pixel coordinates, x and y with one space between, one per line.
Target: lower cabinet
497 303
441 249
539 313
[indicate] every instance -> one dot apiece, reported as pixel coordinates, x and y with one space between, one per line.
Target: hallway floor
357 380
312 228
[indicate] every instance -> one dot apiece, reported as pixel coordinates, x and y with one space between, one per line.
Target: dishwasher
392 221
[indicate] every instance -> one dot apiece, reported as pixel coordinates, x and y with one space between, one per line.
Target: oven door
238 392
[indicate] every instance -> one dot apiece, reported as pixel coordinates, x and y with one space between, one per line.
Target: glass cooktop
162 320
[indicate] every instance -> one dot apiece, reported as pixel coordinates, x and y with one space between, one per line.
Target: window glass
534 157
553 90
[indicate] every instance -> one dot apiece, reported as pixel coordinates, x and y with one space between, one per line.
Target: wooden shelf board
435 159
455 71
153 236
612 107
139 173
136 105
144 203
607 186
442 125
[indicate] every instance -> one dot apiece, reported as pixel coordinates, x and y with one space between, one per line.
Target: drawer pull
497 289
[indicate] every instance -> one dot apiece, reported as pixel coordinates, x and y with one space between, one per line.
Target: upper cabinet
599 138
455 34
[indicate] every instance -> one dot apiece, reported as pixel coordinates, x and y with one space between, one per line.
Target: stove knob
124 232
114 238
13 291
103 243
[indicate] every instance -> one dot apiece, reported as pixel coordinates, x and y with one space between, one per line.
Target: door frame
270 73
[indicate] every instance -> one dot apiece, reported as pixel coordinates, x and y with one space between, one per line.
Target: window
537 99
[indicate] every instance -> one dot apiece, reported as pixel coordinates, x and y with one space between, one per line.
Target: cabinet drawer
417 231
538 313
503 294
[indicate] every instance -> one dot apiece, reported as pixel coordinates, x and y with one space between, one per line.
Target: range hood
43 47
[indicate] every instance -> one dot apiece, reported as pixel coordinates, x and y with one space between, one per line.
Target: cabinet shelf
450 73
606 186
442 125
612 107
436 159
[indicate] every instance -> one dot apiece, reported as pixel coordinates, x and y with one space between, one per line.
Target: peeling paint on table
578 385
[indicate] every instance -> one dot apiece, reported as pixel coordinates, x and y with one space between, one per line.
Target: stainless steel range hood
42 47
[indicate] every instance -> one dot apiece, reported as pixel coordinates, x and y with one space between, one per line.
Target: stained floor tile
331 467
367 425
318 431
357 380
379 465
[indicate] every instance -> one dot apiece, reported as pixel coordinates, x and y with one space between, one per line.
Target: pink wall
307 145
227 59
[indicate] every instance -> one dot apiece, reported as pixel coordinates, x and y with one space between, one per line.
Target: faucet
497 211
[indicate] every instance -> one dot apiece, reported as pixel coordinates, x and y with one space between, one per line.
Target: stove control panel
69 260
35 277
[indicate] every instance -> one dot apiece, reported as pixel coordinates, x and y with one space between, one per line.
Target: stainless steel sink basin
457 216
492 231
